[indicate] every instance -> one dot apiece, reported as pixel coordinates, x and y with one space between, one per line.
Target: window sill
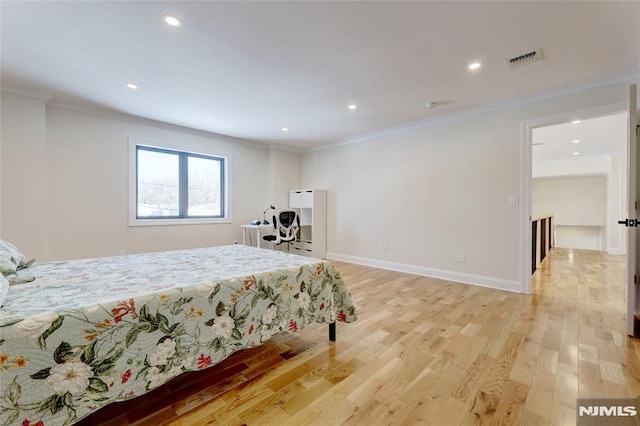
172 222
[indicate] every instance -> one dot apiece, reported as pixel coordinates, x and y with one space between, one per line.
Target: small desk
257 228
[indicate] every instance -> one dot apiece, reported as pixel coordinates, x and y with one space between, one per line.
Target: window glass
179 185
158 184
204 187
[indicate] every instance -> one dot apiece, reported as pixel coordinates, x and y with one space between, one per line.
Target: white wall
0 165
574 201
428 194
286 174
580 237
614 166
582 165
434 191
579 208
23 176
77 163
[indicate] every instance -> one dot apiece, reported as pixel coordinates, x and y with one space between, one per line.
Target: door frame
526 178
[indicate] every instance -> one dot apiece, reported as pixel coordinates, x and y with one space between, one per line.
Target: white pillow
10 258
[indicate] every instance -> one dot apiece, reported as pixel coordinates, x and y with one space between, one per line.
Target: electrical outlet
122 252
460 256
383 247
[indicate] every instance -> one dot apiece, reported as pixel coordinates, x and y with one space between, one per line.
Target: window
173 186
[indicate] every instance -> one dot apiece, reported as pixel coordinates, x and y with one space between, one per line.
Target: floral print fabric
90 332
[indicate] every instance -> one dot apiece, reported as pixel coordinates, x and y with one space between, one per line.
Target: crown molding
26 91
509 103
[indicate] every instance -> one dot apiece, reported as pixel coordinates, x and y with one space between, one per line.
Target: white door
632 241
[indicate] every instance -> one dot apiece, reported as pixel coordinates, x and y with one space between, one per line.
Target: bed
86 333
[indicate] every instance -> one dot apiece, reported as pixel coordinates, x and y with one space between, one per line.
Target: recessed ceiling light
475 65
575 121
576 153
576 141
285 129
132 86
353 106
172 20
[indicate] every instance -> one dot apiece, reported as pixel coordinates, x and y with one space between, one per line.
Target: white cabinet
301 198
311 205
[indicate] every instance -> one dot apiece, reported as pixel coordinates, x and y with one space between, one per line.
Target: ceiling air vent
525 58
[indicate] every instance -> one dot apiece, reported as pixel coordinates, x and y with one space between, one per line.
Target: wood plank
510 408
469 386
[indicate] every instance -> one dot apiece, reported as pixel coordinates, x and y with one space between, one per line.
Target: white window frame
133 196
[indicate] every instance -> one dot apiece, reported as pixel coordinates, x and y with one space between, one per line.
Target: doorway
557 163
579 174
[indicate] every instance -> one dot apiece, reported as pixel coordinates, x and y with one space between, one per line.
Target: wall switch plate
513 201
460 256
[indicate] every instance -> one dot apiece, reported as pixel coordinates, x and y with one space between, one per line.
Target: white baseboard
616 251
460 277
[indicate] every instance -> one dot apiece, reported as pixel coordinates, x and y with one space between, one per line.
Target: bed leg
332 331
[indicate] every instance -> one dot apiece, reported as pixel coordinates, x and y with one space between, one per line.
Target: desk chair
286 224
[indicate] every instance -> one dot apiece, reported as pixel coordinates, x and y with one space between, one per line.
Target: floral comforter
90 332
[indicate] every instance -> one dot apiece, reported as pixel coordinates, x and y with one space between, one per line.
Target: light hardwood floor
427 351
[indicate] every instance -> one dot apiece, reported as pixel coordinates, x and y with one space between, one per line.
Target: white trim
632 190
165 222
133 221
459 277
510 103
525 176
525 208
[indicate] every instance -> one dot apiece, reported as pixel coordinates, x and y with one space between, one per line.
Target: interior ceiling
248 69
597 136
